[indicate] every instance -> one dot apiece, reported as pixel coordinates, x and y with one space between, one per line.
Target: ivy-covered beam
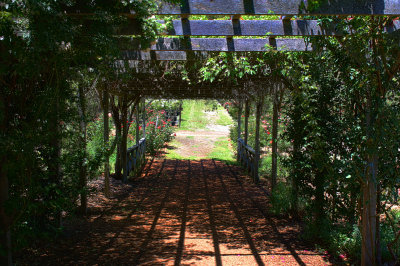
282 7
245 28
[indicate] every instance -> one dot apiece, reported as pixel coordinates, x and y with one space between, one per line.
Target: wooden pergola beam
271 28
171 45
281 7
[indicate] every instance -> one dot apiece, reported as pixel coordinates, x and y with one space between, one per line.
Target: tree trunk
83 154
274 167
106 144
257 144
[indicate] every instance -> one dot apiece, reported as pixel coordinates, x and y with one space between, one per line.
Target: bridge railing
247 157
136 158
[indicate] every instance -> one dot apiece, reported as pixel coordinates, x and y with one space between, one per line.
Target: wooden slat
219 45
246 28
282 7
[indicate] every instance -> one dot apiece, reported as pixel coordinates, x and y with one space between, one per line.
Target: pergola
189 39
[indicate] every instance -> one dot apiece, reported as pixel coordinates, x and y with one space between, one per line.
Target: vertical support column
260 104
144 118
5 233
239 128
246 121
180 114
106 137
124 143
137 118
274 166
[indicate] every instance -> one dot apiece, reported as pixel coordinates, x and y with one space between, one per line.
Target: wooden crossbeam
282 7
246 28
215 45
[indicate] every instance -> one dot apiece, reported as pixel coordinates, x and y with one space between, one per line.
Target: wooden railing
247 157
136 158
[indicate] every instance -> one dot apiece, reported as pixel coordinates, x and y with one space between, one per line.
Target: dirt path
182 212
197 143
200 142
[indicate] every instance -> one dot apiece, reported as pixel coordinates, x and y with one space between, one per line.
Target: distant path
183 213
199 143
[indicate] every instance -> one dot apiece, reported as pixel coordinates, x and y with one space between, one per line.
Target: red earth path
180 212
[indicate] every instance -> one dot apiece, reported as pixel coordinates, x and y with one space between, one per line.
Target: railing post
246 121
239 129
257 145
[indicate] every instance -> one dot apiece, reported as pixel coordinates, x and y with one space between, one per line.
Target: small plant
279 199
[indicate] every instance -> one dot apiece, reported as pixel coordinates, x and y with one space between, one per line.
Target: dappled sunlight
190 212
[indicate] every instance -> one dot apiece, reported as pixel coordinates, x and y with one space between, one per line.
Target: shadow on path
183 213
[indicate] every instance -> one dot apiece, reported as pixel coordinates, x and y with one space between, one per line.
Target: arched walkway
185 212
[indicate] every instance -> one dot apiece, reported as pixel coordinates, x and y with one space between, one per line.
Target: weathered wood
5 220
83 152
274 163
137 118
144 118
260 104
246 121
106 137
246 28
246 156
136 157
282 7
369 192
219 45
239 129
124 123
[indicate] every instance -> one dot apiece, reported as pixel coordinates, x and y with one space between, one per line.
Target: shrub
279 199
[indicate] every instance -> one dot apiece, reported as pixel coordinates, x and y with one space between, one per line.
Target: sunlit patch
118 218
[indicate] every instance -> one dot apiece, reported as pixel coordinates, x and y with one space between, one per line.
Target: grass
224 119
193 116
222 151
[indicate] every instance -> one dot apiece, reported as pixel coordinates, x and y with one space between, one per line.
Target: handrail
136 158
247 157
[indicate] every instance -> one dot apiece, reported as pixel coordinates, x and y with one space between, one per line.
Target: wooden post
5 233
246 121
144 118
180 114
239 127
124 148
274 166
82 145
369 192
106 138
260 104
137 117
